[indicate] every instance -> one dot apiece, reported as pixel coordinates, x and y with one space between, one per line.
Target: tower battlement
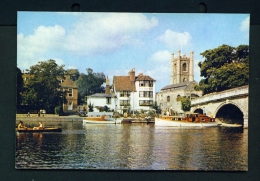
182 68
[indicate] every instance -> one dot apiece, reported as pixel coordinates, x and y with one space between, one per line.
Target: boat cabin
196 117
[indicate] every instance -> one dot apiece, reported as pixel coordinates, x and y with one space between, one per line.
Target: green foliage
90 107
185 104
42 89
58 110
90 84
155 106
105 108
19 86
151 114
224 67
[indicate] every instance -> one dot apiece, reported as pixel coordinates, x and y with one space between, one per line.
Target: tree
43 88
185 104
90 84
90 107
19 86
224 67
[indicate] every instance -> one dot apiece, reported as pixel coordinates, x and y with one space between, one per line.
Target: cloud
93 33
175 40
160 56
30 48
101 33
244 27
245 24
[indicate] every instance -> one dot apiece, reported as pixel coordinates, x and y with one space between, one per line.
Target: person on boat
21 126
39 127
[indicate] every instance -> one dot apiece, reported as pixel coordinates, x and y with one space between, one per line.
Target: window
184 80
145 102
108 100
125 94
124 102
69 93
146 94
146 83
184 67
168 98
141 83
178 98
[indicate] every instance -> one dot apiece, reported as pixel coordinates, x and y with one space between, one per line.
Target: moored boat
100 120
231 125
28 130
187 120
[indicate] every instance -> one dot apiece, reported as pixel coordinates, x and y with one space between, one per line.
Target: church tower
182 68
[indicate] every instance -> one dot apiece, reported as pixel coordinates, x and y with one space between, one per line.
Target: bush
58 110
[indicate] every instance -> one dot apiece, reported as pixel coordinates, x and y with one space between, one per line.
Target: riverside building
182 84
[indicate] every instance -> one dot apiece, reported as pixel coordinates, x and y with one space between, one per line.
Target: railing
217 96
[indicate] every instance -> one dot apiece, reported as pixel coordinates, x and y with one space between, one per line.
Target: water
133 147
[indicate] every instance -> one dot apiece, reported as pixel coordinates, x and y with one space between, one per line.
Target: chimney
107 86
132 75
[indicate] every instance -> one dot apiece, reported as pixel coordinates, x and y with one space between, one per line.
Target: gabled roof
123 83
144 77
182 85
68 83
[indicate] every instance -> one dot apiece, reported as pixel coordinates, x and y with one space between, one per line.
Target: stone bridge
230 106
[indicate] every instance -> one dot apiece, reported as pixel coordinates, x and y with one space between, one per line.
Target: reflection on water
133 146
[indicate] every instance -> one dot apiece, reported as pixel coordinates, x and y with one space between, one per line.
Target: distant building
127 93
71 90
66 85
182 84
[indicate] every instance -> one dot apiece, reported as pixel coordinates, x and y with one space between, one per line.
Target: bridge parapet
223 95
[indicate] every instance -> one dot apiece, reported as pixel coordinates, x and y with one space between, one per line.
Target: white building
128 93
134 92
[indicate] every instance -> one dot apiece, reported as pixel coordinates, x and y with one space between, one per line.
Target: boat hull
231 125
101 122
170 123
28 130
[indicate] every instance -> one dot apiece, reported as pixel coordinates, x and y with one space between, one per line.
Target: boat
187 120
28 130
231 125
138 120
102 120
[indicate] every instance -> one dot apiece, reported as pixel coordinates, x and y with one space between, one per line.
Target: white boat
231 125
164 122
99 121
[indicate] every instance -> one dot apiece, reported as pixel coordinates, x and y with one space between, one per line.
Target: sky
114 43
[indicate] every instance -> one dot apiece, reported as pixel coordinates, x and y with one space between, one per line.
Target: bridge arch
198 110
229 112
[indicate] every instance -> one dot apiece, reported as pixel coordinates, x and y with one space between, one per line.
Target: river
132 147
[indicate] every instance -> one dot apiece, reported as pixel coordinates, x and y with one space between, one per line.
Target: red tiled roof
144 77
123 83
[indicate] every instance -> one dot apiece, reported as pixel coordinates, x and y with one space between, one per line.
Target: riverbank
47 117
